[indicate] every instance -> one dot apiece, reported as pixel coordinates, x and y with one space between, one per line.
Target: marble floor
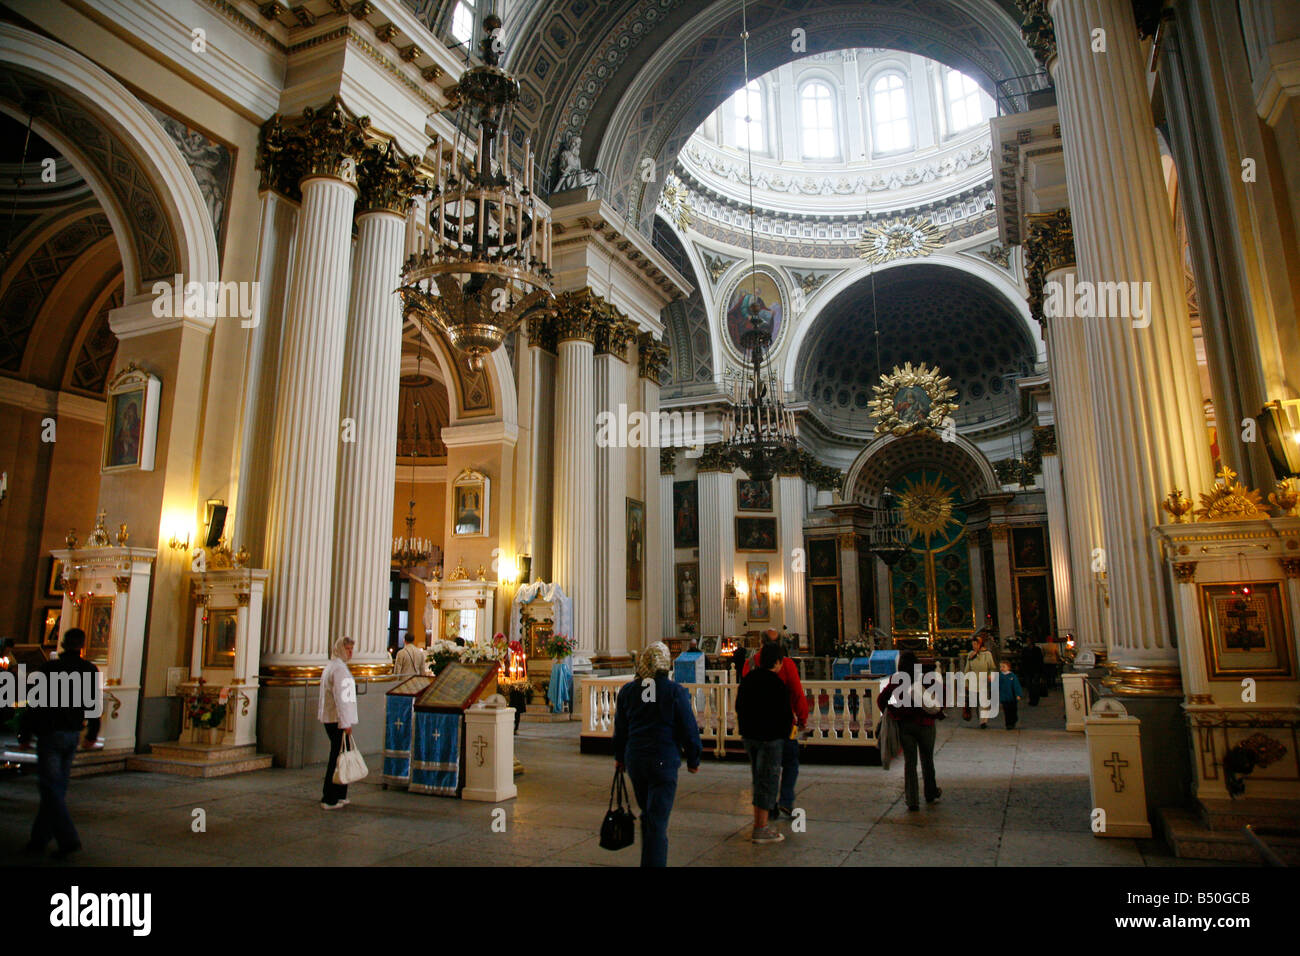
1009 798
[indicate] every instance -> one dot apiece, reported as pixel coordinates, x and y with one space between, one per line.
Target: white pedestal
489 753
227 647
1074 686
1115 770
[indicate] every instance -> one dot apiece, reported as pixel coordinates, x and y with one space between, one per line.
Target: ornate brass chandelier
760 432
487 263
888 536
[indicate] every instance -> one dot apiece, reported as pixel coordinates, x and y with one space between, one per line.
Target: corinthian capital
1049 244
576 315
614 332
652 358
1037 28
387 180
332 141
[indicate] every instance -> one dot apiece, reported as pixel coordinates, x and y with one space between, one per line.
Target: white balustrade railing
840 713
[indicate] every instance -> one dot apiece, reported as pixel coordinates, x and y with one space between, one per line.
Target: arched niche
885 459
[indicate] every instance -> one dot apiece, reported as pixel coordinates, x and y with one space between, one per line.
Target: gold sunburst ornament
908 238
1230 499
912 401
927 507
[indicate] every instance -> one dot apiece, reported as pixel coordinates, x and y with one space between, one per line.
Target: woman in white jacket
980 661
338 712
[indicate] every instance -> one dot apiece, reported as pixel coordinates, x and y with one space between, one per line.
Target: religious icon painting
755 534
50 627
1028 548
635 547
97 622
131 423
755 296
219 640
469 501
823 560
1034 606
54 587
753 495
1245 630
759 604
686 515
688 591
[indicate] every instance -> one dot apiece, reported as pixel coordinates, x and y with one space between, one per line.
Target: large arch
884 459
158 214
692 72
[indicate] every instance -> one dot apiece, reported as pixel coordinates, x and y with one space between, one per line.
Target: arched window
890 122
963 95
817 121
745 112
462 21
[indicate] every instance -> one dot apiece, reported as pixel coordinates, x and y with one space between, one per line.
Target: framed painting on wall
823 558
753 495
688 590
1034 606
1245 630
131 422
469 501
758 602
1028 548
755 534
54 587
635 540
686 515
50 626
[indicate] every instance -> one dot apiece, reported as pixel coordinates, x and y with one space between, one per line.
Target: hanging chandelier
888 536
410 551
487 262
760 434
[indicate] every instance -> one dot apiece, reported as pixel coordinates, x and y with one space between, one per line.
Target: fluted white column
611 510
717 549
275 238
657 590
851 590
368 463
1080 476
791 498
1058 537
300 525
573 560
1006 620
665 559
1146 402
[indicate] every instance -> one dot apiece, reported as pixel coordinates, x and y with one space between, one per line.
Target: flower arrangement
206 710
688 627
477 653
1017 642
853 649
440 653
951 646
560 646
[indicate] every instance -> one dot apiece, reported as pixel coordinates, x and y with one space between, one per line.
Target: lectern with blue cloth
689 668
438 728
399 724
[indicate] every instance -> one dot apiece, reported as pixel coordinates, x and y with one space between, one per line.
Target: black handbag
618 830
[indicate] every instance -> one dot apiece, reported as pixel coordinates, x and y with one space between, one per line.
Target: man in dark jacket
905 701
789 674
765 717
654 727
1031 670
70 696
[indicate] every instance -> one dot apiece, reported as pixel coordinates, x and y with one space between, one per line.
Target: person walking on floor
1010 693
765 718
338 712
789 674
980 662
410 659
56 725
902 697
654 727
1031 670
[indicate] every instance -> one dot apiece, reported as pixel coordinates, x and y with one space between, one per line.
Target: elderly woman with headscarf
654 727
338 712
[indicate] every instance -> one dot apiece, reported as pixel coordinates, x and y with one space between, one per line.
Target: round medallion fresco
757 287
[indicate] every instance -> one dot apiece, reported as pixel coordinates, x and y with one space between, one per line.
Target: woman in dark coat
654 727
765 718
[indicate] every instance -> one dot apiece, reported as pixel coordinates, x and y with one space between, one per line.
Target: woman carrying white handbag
338 712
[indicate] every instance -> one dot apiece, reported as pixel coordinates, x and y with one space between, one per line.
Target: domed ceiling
927 314
422 413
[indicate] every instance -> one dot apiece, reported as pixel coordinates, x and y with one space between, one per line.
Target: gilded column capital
614 332
387 179
1291 567
1185 571
541 331
848 541
1049 245
576 316
715 458
999 532
332 141
122 582
279 158
652 358
1038 30
667 461
1045 440
243 597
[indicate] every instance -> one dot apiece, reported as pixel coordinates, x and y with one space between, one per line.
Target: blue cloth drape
561 689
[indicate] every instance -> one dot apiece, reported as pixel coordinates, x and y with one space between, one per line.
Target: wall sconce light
774 592
176 544
507 571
